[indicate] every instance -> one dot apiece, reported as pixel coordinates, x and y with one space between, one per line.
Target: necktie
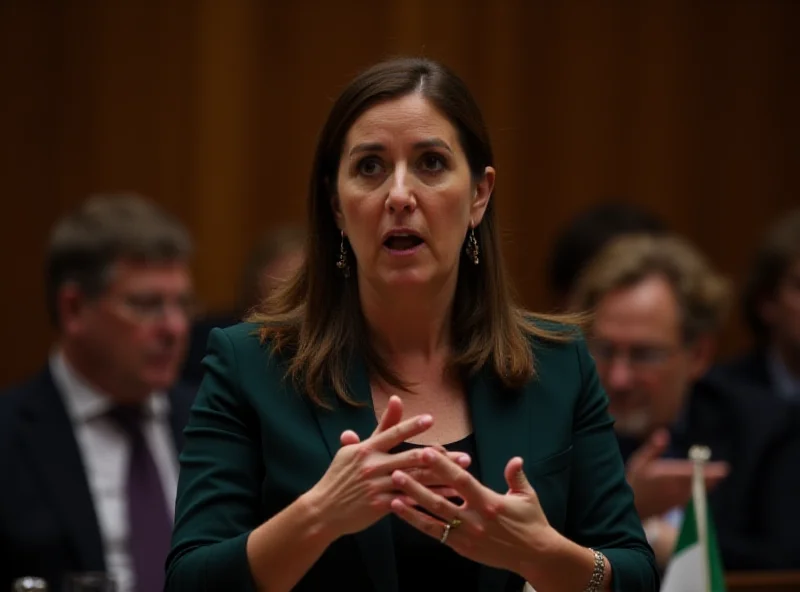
149 519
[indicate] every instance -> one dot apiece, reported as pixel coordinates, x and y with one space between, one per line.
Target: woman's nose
401 195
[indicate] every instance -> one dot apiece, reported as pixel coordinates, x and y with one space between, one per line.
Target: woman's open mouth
401 244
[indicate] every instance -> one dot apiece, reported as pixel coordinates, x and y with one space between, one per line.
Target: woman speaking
390 420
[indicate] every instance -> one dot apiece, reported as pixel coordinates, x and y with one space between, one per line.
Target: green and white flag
695 565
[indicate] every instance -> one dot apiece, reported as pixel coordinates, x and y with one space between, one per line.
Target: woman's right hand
357 489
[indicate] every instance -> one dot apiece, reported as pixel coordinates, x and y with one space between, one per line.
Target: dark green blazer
253 445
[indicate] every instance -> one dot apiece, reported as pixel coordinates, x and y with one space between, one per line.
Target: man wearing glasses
88 448
658 307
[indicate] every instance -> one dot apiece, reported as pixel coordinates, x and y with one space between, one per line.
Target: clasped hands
365 482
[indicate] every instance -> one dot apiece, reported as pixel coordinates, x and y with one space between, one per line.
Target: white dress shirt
105 451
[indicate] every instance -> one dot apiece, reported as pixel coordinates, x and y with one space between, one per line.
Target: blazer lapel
54 453
375 542
501 423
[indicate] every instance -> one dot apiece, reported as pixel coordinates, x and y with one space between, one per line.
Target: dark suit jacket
254 444
758 435
725 410
48 524
755 507
192 371
749 371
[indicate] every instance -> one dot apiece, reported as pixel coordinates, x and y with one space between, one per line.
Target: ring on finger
454 523
445 534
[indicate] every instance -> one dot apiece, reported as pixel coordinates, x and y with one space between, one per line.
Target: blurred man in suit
772 309
658 307
759 500
88 447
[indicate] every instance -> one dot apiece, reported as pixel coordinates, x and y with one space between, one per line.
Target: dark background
212 108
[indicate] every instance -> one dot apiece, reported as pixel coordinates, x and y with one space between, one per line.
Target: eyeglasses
645 357
153 308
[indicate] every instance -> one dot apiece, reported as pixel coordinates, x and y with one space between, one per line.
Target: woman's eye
432 163
369 167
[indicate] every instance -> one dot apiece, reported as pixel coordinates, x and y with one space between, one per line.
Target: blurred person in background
772 310
88 447
763 515
274 258
657 309
585 235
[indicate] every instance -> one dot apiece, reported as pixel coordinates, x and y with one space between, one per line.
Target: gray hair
86 243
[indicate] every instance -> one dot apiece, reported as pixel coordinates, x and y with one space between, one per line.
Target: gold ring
455 523
445 534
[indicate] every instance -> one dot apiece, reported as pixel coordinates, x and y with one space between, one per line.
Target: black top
423 563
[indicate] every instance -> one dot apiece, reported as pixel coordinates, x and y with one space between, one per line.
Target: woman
289 481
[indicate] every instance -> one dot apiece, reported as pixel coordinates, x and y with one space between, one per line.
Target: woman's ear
481 196
337 211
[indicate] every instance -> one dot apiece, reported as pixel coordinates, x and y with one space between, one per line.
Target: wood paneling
767 581
213 108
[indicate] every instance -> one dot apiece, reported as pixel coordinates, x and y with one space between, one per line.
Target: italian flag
696 565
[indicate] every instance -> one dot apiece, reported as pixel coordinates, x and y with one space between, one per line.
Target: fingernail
398 477
428 454
425 420
464 459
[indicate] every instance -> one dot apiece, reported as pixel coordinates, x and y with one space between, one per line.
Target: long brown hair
316 318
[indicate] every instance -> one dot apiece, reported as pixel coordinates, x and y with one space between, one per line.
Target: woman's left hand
506 531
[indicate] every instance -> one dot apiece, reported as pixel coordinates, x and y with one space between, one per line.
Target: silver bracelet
598 573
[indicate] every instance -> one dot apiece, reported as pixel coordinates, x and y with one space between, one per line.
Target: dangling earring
342 263
472 249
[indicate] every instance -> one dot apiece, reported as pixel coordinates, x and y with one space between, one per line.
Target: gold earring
342 263
472 249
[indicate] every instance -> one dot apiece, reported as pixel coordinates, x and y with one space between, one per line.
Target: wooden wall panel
213 109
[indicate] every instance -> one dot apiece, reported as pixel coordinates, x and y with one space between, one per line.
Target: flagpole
700 455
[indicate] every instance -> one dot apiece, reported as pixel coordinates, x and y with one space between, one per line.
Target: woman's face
405 197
